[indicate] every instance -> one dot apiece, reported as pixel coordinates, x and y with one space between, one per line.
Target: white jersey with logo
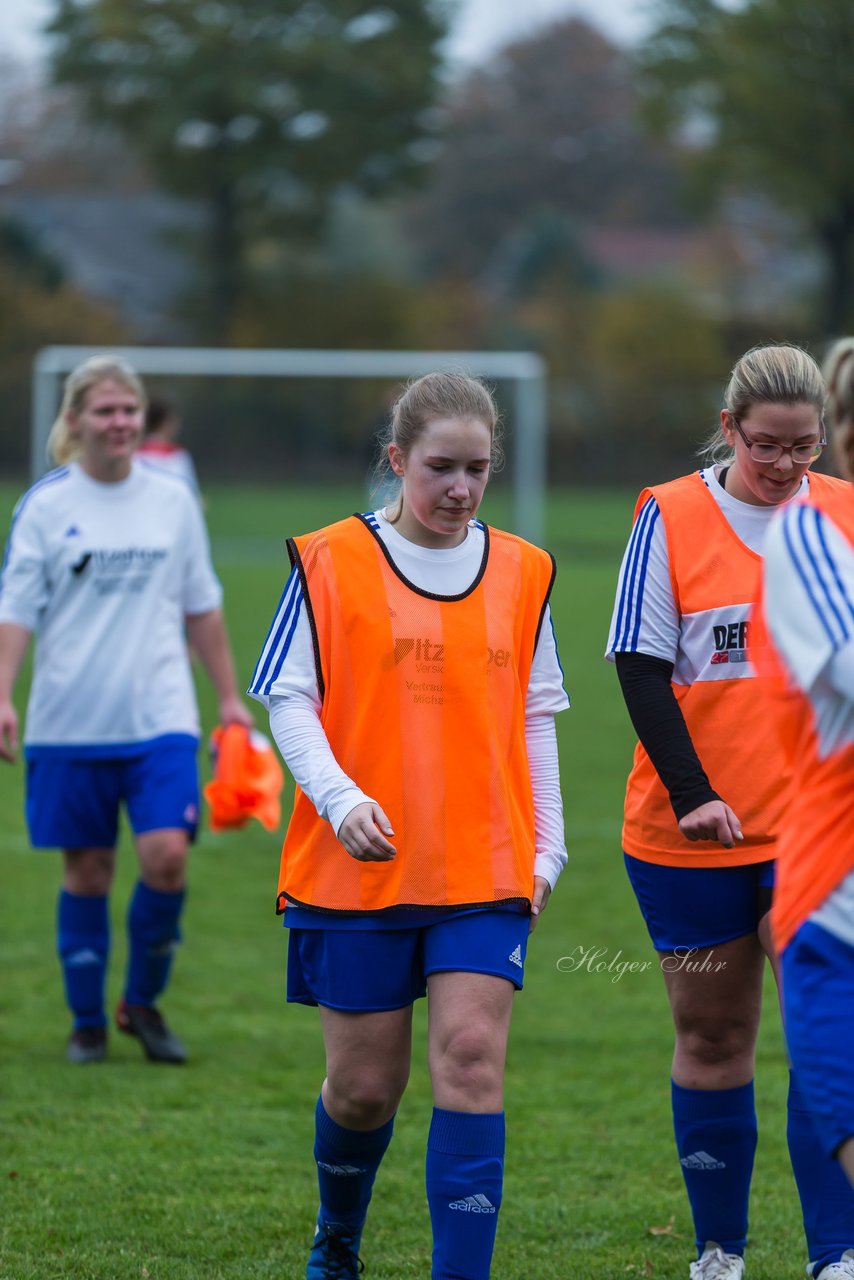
285 681
809 606
646 618
105 574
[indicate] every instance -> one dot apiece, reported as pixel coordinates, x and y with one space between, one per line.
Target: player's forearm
660 725
208 637
14 640
541 741
305 749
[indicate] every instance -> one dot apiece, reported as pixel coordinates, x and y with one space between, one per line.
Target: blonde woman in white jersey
107 564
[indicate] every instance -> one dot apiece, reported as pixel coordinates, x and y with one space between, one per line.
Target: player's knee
467 1064
165 862
717 1043
368 1098
89 872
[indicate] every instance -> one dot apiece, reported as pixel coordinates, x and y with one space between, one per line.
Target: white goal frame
525 370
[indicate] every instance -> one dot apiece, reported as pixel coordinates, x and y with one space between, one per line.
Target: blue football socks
347 1163
153 933
716 1141
827 1199
465 1174
83 945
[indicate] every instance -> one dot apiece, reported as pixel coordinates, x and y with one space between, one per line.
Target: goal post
524 370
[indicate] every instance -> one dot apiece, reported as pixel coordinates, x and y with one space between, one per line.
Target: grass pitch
125 1171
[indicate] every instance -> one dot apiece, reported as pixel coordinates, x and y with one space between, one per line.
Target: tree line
349 194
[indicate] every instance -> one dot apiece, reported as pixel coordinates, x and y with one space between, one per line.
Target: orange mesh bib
423 704
815 851
716 581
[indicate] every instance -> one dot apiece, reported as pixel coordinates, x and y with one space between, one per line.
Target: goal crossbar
524 370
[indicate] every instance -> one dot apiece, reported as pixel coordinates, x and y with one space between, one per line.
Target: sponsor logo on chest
118 570
714 644
423 659
730 642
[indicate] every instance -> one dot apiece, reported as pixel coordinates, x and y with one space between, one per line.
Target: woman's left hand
542 893
232 711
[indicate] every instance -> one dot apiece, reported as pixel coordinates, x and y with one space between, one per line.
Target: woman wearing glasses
707 795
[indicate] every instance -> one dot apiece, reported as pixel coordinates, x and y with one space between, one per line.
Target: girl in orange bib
808 617
709 793
412 678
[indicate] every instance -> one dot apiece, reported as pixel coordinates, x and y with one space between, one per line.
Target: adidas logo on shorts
701 1160
515 956
473 1204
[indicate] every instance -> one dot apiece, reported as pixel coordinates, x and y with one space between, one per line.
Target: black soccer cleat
87 1044
334 1253
148 1025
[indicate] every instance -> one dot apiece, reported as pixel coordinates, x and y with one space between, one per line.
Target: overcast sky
481 26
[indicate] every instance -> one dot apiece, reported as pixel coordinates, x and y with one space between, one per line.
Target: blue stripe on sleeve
629 567
277 629
286 646
634 577
807 522
800 559
845 604
52 476
642 580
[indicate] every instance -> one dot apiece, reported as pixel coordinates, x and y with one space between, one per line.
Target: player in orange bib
808 616
709 792
412 678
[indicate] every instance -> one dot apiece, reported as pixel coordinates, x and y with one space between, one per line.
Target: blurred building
89 207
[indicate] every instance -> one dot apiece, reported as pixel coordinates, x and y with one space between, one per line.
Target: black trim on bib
545 602
296 562
285 899
429 595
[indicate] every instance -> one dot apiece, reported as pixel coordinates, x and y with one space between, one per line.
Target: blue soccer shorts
74 803
700 906
818 1006
370 971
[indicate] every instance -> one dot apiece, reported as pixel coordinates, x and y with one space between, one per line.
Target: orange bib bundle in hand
247 780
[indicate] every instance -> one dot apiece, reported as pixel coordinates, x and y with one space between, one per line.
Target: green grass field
125 1170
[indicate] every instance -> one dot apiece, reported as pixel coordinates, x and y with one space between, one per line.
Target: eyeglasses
764 451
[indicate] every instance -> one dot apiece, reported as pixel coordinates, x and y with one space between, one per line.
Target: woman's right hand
8 732
361 834
712 821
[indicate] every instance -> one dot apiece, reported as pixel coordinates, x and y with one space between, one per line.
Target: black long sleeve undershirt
661 728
